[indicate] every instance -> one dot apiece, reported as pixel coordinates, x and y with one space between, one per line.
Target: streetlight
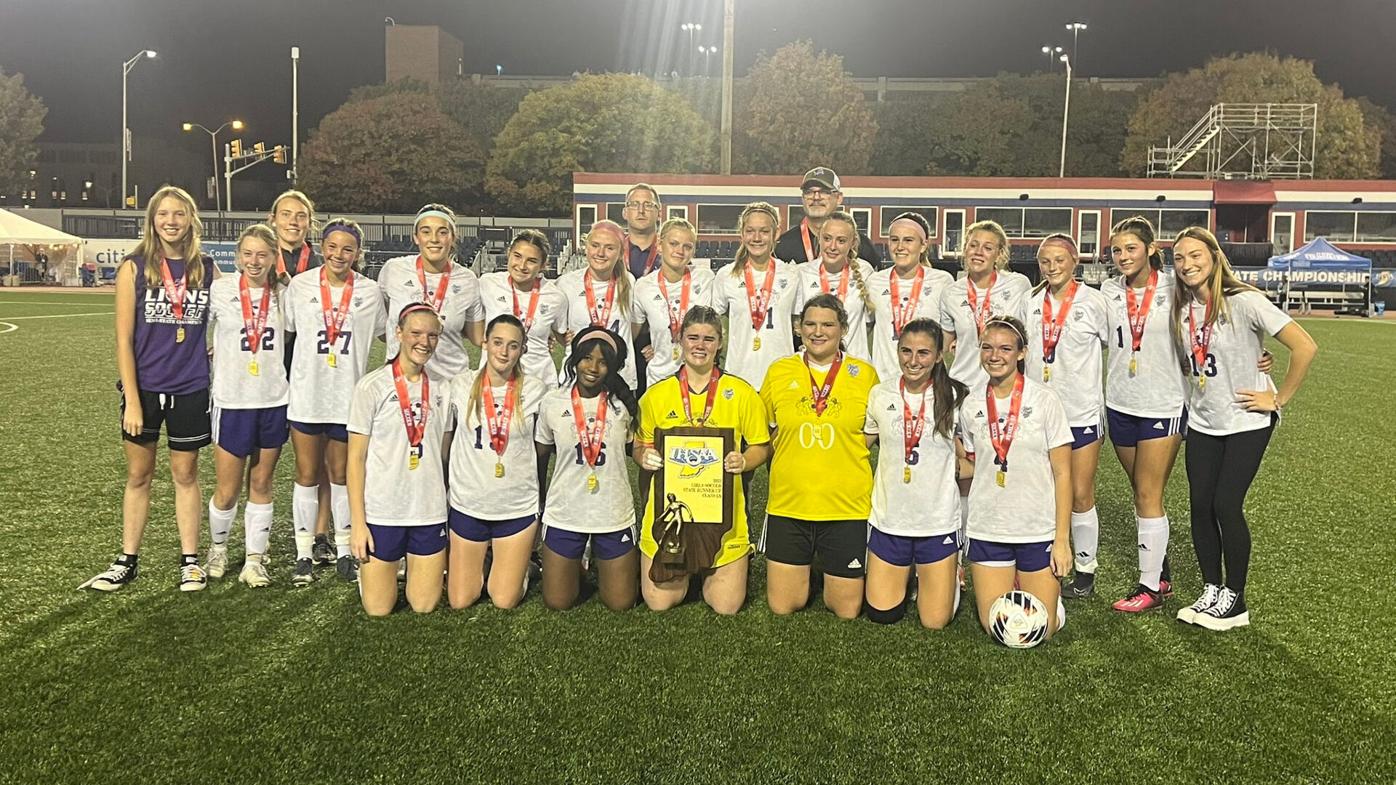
1075 28
236 125
692 28
125 132
295 117
1051 53
708 52
1066 113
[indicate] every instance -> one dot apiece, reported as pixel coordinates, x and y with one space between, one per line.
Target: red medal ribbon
532 305
808 240
981 315
912 426
253 325
599 318
759 304
843 280
499 425
676 320
1139 312
1200 340
821 392
902 314
1002 438
415 430
1052 327
302 261
438 299
589 441
708 404
175 294
334 324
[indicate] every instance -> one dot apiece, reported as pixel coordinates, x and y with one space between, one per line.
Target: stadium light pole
728 23
692 28
1066 114
708 52
126 67
1075 28
236 125
295 112
1052 53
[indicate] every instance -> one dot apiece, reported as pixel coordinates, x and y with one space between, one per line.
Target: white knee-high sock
1085 537
305 507
339 513
256 524
220 522
1153 546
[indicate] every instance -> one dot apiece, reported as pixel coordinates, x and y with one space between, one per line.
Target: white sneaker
192 578
1188 615
216 563
113 578
1228 613
254 572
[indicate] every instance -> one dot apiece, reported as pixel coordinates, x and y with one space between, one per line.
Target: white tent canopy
18 231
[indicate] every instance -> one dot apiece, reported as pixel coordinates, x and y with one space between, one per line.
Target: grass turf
151 685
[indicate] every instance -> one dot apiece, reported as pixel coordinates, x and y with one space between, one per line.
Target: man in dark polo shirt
642 214
821 194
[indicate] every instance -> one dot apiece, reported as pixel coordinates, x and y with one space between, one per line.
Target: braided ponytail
857 272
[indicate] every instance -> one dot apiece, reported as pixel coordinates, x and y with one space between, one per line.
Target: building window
890 212
719 218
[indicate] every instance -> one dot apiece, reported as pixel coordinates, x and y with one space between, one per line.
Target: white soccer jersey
957 318
1157 387
459 309
571 506
320 392
550 315
1025 508
477 487
777 335
623 318
657 311
234 385
1230 364
929 504
1075 374
855 340
394 493
884 341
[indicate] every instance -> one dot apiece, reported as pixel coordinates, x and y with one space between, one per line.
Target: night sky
220 59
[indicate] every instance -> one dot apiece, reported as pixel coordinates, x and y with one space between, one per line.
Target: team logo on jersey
1077 316
1027 412
782 283
358 301
892 407
853 370
693 457
455 288
728 393
499 299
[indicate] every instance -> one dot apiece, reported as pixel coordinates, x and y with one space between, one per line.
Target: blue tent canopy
1319 254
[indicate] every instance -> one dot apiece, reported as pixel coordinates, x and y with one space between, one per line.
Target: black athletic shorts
841 546
188 426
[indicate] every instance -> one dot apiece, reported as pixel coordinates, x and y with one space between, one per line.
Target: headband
1010 325
412 308
609 226
433 214
1059 238
601 334
340 226
920 227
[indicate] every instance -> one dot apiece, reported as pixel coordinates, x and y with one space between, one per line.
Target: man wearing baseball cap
821 194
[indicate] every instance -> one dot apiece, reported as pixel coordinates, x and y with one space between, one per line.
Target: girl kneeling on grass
494 473
397 482
162 304
249 398
1020 495
587 424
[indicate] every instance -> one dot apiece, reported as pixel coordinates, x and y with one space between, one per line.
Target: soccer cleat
1188 615
192 577
216 563
1082 586
1165 587
1228 612
348 569
114 578
1141 599
322 552
304 573
402 569
254 572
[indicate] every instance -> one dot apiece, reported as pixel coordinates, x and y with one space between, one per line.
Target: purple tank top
163 364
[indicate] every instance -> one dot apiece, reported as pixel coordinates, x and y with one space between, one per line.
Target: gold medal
676 354
1001 478
1133 366
413 461
499 469
592 483
1046 373
330 359
755 343
906 474
253 369
179 335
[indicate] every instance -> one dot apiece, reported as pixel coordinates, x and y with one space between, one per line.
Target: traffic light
235 148
278 154
260 148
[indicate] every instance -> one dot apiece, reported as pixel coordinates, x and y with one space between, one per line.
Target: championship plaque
693 473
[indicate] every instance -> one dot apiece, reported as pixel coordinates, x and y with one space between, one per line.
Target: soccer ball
1018 620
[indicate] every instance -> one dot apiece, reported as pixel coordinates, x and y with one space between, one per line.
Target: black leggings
1220 471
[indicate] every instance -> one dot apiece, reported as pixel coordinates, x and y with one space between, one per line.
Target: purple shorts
1128 430
335 430
1086 435
480 530
570 545
391 543
901 551
243 432
1027 556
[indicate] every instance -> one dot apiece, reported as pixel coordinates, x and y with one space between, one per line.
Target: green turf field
281 685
